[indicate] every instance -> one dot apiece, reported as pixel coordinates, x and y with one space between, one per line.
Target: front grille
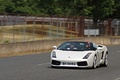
55 62
84 63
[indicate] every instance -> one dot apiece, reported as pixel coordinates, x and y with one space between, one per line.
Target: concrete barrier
44 45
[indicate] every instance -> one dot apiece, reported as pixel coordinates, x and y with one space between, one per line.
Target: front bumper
70 63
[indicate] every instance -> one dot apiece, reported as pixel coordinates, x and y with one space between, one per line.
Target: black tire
106 60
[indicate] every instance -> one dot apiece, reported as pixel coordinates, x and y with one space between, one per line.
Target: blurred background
32 28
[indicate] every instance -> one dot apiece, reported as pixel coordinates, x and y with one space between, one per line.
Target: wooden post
81 26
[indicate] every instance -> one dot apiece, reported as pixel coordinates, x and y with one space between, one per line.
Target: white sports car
79 54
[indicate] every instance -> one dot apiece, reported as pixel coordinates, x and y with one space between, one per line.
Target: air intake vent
84 63
55 62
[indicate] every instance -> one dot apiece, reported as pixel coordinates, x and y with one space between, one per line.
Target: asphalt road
37 67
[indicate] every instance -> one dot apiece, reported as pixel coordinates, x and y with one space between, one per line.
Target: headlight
86 56
54 54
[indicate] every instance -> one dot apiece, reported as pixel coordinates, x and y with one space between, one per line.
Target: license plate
68 63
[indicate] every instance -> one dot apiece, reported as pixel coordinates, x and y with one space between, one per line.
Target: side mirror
95 49
55 47
99 48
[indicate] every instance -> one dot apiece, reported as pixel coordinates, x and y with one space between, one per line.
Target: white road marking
117 79
43 64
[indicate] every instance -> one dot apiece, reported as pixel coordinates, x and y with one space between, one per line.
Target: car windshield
76 46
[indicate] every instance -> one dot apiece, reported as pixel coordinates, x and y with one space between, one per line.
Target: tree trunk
95 22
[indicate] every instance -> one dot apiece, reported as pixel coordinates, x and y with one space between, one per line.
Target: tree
98 9
25 7
6 6
65 6
81 8
116 12
22 6
101 9
46 7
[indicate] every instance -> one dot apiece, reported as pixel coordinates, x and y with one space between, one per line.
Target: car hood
71 54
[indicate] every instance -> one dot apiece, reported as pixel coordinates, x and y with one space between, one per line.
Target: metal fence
31 28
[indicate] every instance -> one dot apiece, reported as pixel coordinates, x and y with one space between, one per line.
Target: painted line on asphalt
117 79
43 64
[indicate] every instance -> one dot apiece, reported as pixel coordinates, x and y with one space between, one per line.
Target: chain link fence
17 28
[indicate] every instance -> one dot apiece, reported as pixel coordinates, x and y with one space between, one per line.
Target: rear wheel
94 62
106 60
